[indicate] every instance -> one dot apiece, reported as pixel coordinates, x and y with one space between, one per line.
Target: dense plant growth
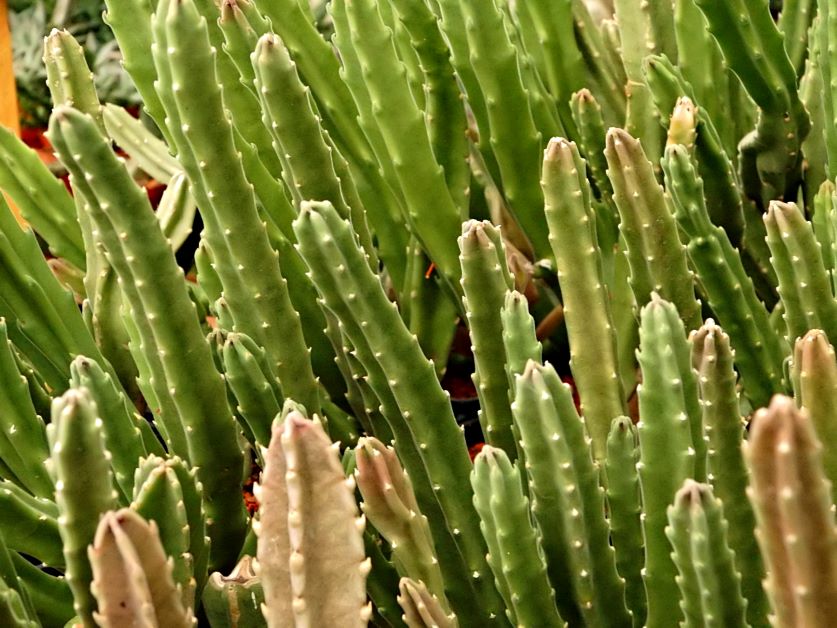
638 198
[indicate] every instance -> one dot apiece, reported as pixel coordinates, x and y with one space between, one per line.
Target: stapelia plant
629 206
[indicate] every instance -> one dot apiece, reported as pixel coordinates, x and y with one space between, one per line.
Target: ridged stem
794 514
709 582
515 138
431 212
592 338
169 336
804 285
485 281
23 441
514 551
712 357
248 267
125 433
625 510
390 505
310 548
814 374
754 49
729 290
235 600
421 608
159 498
69 78
670 423
656 256
132 576
412 402
42 199
567 500
84 489
519 338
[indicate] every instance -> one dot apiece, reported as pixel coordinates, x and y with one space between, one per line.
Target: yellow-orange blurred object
9 115
8 94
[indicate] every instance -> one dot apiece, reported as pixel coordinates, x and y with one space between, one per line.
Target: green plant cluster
650 183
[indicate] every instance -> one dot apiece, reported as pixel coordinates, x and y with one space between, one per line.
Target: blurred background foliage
31 21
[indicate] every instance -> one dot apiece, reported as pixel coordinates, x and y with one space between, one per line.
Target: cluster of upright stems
646 188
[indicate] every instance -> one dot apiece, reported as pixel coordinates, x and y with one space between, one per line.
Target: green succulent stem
572 235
